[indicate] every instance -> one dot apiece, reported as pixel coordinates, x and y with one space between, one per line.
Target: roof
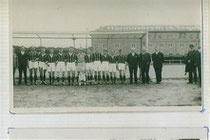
137 28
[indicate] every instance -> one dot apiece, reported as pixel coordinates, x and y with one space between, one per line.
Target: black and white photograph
105 55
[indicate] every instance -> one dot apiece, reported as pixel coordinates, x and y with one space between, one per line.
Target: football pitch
171 92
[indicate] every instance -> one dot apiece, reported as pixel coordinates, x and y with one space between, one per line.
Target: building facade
172 40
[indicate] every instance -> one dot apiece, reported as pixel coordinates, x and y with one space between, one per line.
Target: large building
173 40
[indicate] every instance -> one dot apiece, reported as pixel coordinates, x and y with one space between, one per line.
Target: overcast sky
86 15
78 15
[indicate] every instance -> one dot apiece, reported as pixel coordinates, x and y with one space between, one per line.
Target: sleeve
85 58
153 59
101 57
45 58
149 57
76 57
127 59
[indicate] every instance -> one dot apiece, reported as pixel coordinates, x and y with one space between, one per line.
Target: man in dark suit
15 64
22 65
191 59
198 63
158 59
144 64
132 60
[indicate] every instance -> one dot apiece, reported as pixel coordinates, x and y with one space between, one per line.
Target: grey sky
78 15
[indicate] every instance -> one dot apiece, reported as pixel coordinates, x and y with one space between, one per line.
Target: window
181 46
104 46
117 46
133 45
161 46
160 36
95 45
170 45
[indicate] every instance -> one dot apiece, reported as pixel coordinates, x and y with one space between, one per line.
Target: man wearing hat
144 64
22 65
191 60
158 59
132 60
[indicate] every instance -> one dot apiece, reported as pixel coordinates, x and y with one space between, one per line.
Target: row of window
166 48
174 35
170 45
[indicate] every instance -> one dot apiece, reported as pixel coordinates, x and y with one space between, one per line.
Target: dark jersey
71 58
33 56
42 57
60 57
97 57
88 58
112 59
121 59
105 58
50 58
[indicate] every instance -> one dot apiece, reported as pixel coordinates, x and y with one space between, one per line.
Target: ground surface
172 92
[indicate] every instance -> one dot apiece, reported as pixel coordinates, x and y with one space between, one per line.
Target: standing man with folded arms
132 60
158 59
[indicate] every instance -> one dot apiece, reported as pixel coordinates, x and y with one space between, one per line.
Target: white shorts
71 66
112 67
89 66
60 66
33 64
81 67
97 66
51 67
121 66
42 65
105 66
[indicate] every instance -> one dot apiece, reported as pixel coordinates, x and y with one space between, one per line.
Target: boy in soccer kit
33 64
42 65
105 66
60 66
121 61
89 66
97 66
113 67
50 61
71 59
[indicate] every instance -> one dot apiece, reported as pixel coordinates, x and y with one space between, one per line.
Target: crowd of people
91 67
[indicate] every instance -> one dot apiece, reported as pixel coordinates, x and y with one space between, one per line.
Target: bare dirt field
171 92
